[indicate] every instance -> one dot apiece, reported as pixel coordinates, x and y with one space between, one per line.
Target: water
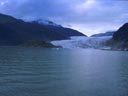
62 72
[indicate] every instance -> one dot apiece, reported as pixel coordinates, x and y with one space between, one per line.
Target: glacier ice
83 42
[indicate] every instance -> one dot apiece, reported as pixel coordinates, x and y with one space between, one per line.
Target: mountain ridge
109 33
122 33
16 31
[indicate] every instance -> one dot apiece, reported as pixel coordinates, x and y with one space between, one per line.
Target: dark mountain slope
119 40
122 33
14 31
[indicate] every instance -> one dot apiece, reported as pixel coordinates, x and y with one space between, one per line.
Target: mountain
119 40
15 31
122 33
110 33
58 28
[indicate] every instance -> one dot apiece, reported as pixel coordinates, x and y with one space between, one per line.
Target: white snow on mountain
47 22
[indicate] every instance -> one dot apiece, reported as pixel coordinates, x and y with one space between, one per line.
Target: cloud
85 6
3 2
88 16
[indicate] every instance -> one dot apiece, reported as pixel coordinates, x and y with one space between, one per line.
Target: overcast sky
87 16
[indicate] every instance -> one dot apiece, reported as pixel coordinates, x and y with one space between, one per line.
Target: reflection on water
63 72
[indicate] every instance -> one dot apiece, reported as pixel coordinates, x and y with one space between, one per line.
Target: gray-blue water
63 72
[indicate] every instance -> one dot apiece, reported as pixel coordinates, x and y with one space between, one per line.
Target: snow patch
47 22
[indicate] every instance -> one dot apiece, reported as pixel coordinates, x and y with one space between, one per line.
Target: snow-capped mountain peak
46 22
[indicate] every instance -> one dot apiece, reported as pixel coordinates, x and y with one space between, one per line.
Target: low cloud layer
87 16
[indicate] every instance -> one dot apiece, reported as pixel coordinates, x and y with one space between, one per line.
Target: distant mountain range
15 31
110 33
40 33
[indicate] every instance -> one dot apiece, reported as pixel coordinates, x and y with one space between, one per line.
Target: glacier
84 42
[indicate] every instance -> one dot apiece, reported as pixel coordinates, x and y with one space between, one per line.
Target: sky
87 16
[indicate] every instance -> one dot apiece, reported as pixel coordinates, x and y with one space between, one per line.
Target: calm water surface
62 72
